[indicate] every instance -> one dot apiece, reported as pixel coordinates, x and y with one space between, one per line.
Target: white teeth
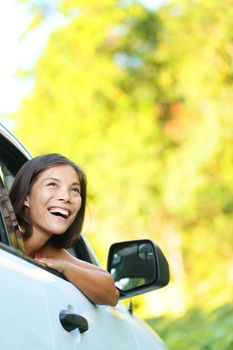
63 212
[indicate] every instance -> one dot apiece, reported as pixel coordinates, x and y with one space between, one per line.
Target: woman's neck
35 242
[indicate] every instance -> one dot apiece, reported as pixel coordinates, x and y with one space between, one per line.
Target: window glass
10 233
6 175
11 159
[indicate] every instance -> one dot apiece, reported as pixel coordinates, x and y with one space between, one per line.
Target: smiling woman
49 199
54 202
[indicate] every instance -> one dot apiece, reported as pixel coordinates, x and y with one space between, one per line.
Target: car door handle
71 321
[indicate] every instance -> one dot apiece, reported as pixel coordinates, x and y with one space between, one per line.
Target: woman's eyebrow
51 178
76 184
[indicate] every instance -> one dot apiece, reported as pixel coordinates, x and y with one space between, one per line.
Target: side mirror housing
137 267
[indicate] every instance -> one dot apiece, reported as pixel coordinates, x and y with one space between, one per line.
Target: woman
49 199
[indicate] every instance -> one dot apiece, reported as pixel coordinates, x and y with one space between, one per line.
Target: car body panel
108 326
23 318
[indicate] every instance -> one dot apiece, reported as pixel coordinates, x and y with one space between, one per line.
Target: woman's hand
56 264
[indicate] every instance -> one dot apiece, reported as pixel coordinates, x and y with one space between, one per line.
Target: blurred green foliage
142 99
198 329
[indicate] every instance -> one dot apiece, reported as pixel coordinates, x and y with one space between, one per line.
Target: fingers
56 264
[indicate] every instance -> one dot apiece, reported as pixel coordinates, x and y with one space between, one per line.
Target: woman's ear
26 202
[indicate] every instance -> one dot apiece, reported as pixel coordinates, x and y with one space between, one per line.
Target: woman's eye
52 184
76 190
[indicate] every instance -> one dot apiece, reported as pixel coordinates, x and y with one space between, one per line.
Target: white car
41 310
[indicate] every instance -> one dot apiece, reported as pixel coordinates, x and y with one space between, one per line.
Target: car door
108 327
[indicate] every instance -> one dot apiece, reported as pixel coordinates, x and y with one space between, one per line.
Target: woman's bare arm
93 281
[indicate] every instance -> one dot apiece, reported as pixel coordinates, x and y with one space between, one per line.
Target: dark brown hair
22 186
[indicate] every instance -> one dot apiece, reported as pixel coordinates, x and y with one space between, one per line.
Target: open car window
12 156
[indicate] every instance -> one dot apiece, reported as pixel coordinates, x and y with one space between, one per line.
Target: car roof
13 140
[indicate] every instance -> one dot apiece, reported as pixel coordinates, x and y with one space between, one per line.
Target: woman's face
54 200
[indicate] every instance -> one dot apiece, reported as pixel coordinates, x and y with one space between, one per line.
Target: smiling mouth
62 213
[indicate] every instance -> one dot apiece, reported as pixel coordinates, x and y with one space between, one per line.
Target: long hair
22 185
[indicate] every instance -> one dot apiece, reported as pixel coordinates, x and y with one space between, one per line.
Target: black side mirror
137 267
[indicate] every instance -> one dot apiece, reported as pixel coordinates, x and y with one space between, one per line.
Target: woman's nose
64 194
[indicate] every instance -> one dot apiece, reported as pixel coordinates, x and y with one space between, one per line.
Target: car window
6 175
11 159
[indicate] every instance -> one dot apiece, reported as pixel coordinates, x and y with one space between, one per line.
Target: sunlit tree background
142 98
